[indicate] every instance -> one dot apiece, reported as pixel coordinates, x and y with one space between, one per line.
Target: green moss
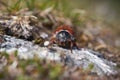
55 72
4 53
24 77
16 53
91 66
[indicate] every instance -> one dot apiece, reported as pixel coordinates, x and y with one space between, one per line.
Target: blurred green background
107 10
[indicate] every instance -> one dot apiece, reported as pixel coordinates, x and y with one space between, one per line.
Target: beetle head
64 36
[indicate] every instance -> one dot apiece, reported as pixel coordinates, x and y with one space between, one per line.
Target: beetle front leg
71 45
76 45
52 40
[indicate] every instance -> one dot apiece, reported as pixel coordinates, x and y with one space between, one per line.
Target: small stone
46 43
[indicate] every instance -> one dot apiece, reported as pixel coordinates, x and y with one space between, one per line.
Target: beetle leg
52 40
76 45
71 45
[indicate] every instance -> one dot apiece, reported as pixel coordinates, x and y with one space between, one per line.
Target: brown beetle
63 36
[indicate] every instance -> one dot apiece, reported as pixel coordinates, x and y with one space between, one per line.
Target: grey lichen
80 58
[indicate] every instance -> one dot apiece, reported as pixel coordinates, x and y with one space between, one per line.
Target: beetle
63 36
